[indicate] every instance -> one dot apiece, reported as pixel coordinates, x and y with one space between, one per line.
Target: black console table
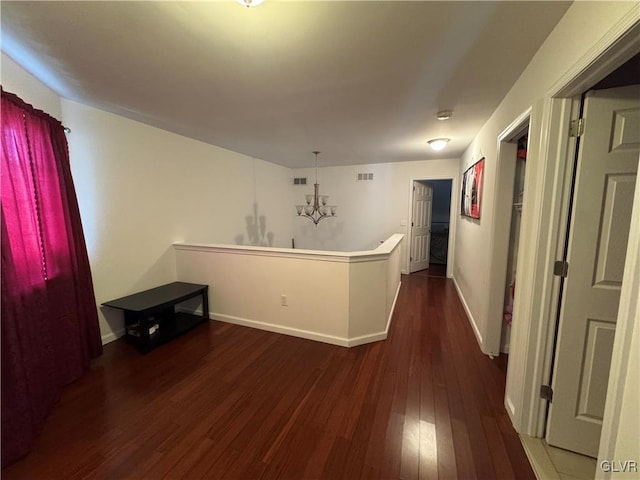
150 317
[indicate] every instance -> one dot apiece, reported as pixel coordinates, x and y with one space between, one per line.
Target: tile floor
551 463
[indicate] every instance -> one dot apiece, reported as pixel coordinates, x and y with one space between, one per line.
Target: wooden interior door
606 172
420 227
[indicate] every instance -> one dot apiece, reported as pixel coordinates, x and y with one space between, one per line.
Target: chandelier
316 208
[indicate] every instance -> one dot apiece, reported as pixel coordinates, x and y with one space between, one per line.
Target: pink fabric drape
49 318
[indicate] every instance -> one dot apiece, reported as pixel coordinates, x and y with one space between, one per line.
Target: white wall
577 39
16 80
141 188
583 24
368 211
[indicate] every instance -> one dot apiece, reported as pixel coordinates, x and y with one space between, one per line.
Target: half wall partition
342 298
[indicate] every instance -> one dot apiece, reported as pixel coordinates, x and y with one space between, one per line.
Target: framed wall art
472 190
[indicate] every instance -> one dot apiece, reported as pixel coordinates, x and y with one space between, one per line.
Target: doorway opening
519 172
440 220
600 198
431 222
508 207
543 241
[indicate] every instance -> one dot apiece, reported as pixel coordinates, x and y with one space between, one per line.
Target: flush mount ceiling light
438 143
250 3
444 114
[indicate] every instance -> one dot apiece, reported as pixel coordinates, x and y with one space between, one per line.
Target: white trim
472 321
393 307
536 302
515 127
536 298
112 336
511 409
453 216
270 327
539 458
382 252
501 228
364 339
617 46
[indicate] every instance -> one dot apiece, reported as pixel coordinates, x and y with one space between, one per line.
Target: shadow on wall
257 235
161 271
323 236
113 318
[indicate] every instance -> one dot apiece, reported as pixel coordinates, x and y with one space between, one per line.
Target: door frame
501 226
536 298
452 219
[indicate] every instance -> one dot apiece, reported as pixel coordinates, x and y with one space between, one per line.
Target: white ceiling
359 81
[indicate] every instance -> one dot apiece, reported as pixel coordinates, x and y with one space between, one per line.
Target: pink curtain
49 318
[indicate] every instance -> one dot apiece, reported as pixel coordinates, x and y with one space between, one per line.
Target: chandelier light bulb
444 115
438 143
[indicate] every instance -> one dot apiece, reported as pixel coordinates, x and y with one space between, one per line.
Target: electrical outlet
283 300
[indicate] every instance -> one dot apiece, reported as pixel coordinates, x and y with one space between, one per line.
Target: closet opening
514 238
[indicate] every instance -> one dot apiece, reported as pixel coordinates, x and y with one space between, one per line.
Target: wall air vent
365 176
300 181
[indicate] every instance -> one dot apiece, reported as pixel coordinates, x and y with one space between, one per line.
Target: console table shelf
151 318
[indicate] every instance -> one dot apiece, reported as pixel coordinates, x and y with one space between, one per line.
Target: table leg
205 304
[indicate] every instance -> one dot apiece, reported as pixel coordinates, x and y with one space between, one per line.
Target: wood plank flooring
226 401
434 270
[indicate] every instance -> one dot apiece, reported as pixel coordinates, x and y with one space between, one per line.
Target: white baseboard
270 327
539 459
309 335
472 321
511 409
393 308
294 332
112 336
373 337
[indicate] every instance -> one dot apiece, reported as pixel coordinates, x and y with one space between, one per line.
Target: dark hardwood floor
231 402
434 270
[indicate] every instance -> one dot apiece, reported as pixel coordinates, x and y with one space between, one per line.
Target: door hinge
546 392
576 129
411 259
560 268
412 224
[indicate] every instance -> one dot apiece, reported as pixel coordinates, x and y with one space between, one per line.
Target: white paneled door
420 227
602 202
